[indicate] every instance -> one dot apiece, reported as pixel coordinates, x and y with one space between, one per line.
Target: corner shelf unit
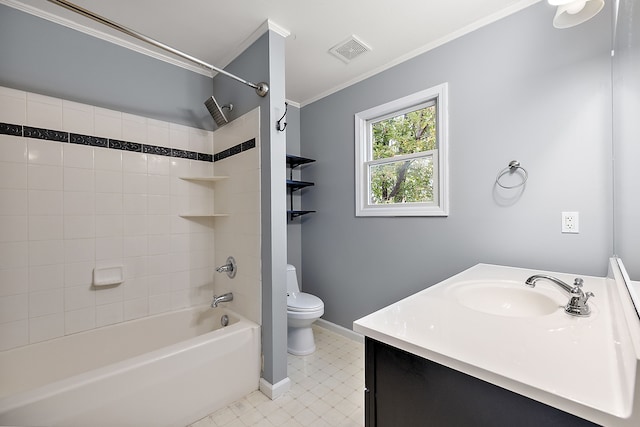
294 185
203 179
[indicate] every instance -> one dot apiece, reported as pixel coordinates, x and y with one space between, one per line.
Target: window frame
363 155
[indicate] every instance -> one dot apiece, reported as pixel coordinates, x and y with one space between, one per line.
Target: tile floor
326 391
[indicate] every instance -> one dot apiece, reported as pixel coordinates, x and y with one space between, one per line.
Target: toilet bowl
302 310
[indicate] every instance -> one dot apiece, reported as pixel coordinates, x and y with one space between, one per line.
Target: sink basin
512 300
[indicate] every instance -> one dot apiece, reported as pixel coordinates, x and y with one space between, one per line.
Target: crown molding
267 25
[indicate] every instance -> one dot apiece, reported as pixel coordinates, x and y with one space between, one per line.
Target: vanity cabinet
402 389
294 185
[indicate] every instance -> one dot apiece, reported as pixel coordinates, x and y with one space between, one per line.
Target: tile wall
88 187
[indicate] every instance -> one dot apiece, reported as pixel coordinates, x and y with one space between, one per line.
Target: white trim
340 330
440 205
436 43
263 28
273 391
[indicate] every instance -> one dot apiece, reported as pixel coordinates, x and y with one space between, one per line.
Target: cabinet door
405 390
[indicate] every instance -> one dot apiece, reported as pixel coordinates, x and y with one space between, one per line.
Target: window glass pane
408 133
409 181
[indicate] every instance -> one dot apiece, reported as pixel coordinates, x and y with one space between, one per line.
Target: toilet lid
303 302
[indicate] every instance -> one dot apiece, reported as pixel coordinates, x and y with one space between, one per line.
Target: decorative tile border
95 141
236 149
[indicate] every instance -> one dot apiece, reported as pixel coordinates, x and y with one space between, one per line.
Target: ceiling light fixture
574 12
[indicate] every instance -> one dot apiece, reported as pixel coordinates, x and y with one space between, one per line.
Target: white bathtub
164 370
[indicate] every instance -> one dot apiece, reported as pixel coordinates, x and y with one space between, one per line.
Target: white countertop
584 366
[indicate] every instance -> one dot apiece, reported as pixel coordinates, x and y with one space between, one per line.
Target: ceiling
216 31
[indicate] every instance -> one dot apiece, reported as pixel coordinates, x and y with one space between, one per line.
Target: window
401 156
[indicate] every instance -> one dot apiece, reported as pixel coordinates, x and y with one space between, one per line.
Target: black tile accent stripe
95 141
236 149
92 141
9 129
48 134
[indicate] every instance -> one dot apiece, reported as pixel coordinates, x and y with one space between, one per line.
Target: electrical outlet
570 222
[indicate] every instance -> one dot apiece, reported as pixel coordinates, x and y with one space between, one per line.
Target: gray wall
626 131
294 227
518 89
264 61
46 58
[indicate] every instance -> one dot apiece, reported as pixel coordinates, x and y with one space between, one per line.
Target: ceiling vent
349 49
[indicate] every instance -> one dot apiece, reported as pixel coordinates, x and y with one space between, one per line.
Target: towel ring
514 165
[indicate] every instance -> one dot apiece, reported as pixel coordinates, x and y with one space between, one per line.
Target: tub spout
222 298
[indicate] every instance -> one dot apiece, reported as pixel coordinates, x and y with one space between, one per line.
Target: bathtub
165 370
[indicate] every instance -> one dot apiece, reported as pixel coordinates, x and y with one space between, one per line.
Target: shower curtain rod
261 88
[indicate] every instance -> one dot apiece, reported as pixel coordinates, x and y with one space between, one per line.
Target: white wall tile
109 295
14 281
44 177
13 255
107 159
134 128
135 246
135 225
77 118
46 252
13 148
158 205
45 227
13 228
108 248
108 314
41 152
46 327
13 175
134 162
107 123
79 250
158 133
76 179
79 320
134 204
45 202
135 309
14 202
79 273
159 165
179 136
44 111
14 307
135 183
77 297
42 303
159 185
13 106
107 181
79 203
159 244
79 226
14 334
109 204
160 303
109 225
135 266
77 156
46 277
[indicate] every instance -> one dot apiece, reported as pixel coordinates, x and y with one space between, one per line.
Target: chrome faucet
230 267
222 298
577 305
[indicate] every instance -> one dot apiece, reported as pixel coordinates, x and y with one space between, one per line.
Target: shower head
216 111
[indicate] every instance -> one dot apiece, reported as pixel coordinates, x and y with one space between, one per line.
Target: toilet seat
301 302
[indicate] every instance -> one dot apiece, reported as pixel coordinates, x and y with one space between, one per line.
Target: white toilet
302 310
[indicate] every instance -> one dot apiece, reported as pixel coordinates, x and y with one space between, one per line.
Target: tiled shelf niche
203 179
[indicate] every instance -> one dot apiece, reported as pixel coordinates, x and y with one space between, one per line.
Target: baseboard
273 391
340 330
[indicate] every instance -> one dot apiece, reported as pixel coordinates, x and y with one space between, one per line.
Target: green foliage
408 180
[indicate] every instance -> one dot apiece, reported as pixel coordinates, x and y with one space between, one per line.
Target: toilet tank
292 280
